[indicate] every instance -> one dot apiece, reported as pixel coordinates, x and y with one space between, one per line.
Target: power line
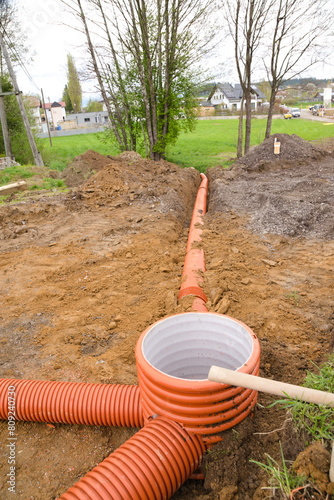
18 58
37 157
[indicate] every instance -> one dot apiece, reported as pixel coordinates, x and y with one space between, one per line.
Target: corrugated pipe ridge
73 402
173 360
151 465
194 263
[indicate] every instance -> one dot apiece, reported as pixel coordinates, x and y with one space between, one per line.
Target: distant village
222 98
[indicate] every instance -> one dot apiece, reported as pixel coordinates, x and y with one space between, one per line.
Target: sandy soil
84 274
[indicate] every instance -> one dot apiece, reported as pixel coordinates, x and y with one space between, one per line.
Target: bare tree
298 29
145 60
246 21
75 7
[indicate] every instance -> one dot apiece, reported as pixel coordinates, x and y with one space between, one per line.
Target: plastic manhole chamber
186 345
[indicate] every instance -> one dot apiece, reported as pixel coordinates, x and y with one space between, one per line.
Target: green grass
316 420
13 174
281 478
64 149
212 143
49 183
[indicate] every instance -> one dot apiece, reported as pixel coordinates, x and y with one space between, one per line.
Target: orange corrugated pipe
151 465
73 402
194 264
174 356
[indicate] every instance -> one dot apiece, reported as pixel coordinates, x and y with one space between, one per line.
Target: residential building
55 113
227 96
34 105
85 120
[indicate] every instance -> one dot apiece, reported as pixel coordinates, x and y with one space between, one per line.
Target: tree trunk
240 129
248 122
270 113
97 72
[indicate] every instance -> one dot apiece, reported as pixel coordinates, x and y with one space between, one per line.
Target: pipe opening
187 345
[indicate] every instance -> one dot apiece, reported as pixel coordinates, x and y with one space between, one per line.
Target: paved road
306 113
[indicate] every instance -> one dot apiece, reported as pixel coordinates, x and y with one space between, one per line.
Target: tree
246 22
67 100
294 45
19 142
12 51
145 65
73 85
95 106
7 13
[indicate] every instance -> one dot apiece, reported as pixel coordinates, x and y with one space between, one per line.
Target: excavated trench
84 275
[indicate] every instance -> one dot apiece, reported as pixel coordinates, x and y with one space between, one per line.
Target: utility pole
36 154
46 117
4 126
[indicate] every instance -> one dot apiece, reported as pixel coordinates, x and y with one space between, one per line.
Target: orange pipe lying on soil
151 465
194 264
73 402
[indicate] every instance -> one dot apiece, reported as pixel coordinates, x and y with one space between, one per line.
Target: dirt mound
293 150
286 197
130 178
83 167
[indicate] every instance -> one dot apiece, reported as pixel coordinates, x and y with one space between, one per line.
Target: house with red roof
54 112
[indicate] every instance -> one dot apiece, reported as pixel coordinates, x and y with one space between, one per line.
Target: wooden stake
238 379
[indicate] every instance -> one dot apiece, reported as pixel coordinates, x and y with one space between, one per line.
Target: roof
234 92
206 104
32 101
259 92
48 105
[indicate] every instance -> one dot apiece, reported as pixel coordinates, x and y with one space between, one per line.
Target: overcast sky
50 41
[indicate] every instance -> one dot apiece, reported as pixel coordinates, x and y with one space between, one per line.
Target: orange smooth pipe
194 264
151 465
72 402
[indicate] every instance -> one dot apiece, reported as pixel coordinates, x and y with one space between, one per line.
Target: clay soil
84 273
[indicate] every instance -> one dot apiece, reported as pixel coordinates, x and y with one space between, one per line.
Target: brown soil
84 274
83 167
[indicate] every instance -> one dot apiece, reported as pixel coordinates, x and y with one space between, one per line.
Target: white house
228 96
55 113
34 105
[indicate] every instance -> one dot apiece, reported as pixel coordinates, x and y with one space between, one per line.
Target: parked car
295 112
287 116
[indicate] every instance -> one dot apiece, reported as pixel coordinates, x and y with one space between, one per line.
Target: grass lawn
212 143
64 149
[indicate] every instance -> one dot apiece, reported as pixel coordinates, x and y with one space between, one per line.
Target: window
87 119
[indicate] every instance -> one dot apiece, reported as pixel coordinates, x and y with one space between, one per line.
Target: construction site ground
85 272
